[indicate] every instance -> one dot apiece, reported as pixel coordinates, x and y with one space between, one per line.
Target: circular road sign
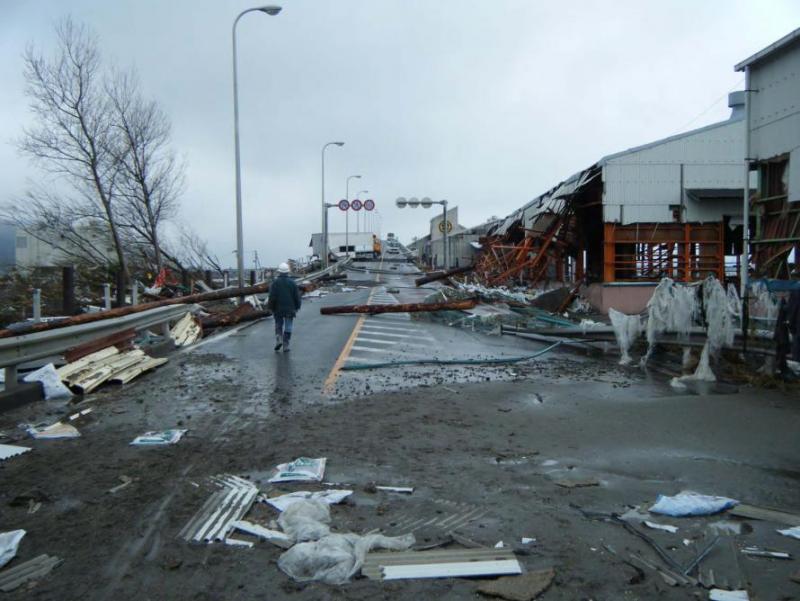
344 205
356 205
369 205
449 226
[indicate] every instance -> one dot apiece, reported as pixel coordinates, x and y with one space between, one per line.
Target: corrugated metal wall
775 112
640 185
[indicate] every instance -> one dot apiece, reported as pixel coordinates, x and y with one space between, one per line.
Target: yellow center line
330 381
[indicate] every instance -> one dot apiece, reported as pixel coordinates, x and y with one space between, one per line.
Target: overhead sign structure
344 205
442 226
369 205
356 205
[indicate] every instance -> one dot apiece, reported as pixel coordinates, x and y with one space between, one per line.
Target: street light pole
347 215
272 11
444 228
324 207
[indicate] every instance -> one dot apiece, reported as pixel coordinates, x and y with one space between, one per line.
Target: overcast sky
484 103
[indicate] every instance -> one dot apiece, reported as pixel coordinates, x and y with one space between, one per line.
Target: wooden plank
122 340
764 513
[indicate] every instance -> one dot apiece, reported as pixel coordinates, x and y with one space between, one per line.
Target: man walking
284 302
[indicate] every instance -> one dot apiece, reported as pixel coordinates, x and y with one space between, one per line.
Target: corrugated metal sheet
641 184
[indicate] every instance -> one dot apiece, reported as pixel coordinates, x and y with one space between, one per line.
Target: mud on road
499 450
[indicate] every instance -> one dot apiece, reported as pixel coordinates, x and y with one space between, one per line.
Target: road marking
371 326
393 335
377 341
394 352
330 381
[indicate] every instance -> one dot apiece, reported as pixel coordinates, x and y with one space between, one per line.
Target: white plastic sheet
54 431
626 330
301 469
306 519
688 503
9 541
793 532
329 497
51 382
320 555
336 558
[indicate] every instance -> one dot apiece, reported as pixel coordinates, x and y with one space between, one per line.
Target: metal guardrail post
37 305
135 293
225 279
107 297
11 377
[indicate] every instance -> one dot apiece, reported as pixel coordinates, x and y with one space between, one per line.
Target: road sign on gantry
344 205
369 205
356 205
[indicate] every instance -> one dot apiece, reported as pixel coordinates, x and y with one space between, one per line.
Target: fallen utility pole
244 312
457 305
121 311
440 275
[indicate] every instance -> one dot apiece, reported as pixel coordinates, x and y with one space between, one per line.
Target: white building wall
775 111
640 185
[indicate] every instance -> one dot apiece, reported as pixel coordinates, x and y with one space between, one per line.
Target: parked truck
362 245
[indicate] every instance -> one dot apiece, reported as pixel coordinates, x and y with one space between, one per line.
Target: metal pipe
347 215
746 190
444 228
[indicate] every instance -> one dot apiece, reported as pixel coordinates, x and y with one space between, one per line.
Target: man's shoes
286 337
278 342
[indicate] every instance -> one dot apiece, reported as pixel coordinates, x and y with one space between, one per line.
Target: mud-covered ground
496 447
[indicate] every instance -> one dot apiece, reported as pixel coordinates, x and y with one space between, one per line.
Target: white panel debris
54 431
453 570
9 450
186 331
664 527
791 532
9 541
51 382
407 490
215 519
66 371
626 330
159 437
301 469
35 569
276 537
718 594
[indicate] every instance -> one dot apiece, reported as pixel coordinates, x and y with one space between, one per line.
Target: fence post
225 279
121 286
37 305
107 296
135 293
252 277
207 277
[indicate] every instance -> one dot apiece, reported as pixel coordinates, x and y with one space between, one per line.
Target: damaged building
772 81
670 208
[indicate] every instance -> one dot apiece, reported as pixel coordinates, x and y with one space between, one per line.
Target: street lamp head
339 143
270 10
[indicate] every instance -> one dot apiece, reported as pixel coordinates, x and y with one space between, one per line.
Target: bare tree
150 178
193 253
73 134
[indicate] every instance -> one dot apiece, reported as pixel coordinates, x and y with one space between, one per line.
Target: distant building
7 247
772 79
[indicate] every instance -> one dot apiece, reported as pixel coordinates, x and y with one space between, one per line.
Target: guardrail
29 347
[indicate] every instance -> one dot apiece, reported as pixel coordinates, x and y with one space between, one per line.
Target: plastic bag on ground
306 519
688 503
51 382
336 558
329 497
9 541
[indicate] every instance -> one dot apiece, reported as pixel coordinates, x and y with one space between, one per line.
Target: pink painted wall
625 298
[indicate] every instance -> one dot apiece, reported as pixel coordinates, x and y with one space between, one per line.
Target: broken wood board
764 513
519 588
444 563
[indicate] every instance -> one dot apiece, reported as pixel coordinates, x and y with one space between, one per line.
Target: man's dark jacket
284 297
